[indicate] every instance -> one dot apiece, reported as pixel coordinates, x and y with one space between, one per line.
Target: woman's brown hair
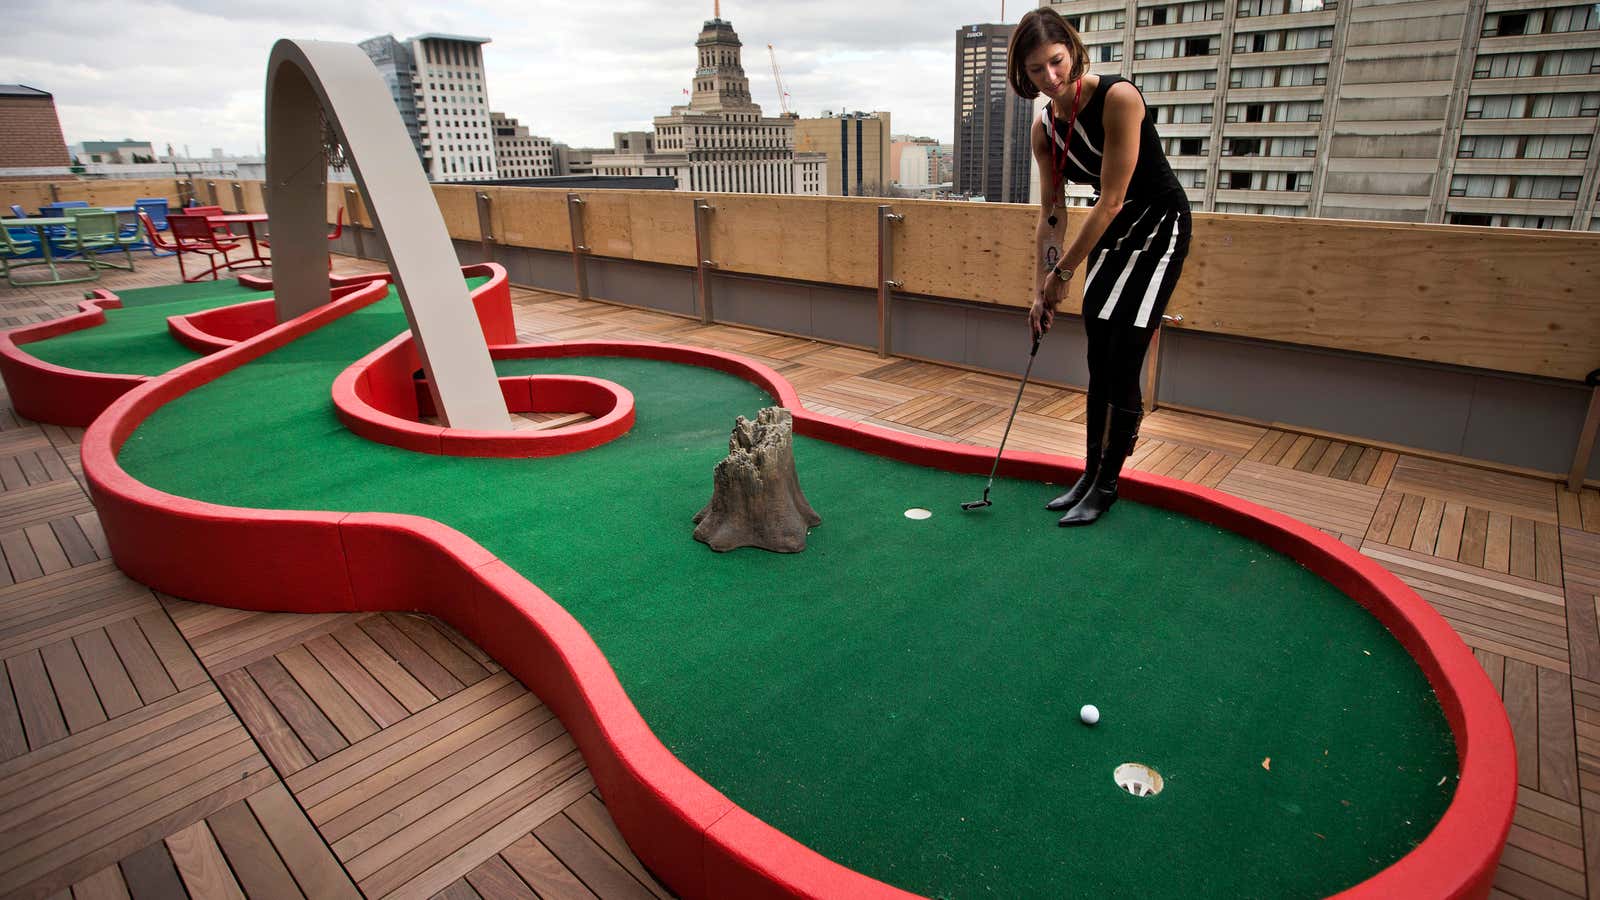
1041 28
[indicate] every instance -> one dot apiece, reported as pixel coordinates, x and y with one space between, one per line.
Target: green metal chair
97 231
13 247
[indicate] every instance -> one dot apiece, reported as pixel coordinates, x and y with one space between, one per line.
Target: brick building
31 143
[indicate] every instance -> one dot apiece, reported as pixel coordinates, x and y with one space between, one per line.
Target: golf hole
1138 779
917 512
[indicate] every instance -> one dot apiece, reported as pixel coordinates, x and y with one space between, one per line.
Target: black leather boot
1120 438
1094 442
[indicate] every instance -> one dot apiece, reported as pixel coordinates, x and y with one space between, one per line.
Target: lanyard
1060 162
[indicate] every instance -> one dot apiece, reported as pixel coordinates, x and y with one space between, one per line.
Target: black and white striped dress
1134 267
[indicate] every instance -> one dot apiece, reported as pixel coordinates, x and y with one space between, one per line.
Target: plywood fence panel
608 223
780 236
662 226
1502 299
853 241
459 206
123 193
30 195
533 217
972 251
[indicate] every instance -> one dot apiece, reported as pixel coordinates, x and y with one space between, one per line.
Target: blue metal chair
24 244
14 247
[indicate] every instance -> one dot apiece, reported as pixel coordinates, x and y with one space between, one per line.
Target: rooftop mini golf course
901 697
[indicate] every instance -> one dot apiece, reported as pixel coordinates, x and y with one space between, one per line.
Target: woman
1096 130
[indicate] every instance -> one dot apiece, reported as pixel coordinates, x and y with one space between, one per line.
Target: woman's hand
1041 316
1045 304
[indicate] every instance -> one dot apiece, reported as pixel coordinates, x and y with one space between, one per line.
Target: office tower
438 85
857 147
992 154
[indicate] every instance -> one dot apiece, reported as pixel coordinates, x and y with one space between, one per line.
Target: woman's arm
1124 115
1052 196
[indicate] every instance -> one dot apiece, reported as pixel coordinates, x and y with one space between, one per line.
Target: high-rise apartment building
992 153
393 61
1481 113
518 154
857 147
720 141
438 85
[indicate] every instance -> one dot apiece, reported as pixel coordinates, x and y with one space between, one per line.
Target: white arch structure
310 80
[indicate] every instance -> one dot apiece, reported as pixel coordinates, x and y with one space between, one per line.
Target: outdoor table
249 220
39 225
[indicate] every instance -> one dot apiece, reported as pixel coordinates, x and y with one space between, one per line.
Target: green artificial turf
134 340
903 695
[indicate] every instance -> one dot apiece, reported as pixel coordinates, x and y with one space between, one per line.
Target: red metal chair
193 234
222 231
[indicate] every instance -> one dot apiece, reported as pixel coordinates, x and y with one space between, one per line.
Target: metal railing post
1591 424
702 255
1152 364
486 226
354 223
886 283
580 250
55 192
211 188
238 197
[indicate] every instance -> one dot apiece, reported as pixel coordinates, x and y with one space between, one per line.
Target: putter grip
1035 350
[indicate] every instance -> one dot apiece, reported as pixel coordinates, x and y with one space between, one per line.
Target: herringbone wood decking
150 746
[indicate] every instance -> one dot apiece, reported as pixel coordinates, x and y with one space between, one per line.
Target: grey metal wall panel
775 305
1526 422
845 315
929 330
1399 402
515 259
1509 419
551 270
668 288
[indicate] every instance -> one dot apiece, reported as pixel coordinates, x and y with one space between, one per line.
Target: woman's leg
1122 352
1100 379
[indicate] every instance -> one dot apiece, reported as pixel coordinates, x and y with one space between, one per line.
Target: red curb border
378 398
696 840
45 392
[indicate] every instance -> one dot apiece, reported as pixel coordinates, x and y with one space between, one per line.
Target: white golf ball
1089 714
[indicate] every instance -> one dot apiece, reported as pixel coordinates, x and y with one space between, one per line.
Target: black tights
1116 362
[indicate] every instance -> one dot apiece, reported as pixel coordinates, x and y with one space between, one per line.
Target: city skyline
834 57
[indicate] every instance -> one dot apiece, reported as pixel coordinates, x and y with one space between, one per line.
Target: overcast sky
180 72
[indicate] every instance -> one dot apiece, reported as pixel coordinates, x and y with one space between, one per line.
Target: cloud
184 72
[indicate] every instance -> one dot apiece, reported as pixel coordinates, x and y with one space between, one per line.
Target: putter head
977 504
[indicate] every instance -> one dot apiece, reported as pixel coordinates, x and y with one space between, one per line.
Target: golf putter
979 504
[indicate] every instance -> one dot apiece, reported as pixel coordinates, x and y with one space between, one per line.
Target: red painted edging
688 833
46 392
378 399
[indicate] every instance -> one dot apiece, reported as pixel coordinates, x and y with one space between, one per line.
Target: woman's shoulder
1122 95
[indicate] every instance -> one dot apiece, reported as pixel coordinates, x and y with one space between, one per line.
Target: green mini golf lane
134 340
903 695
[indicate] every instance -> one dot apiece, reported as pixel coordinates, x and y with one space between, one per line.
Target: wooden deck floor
151 747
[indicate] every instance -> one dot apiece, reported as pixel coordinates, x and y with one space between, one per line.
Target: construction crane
783 95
